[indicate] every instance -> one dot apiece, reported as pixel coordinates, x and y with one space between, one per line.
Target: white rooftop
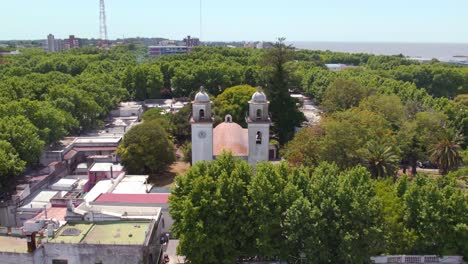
102 186
106 166
131 212
97 140
132 184
44 196
63 184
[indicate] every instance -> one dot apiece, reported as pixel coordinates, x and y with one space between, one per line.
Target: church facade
251 144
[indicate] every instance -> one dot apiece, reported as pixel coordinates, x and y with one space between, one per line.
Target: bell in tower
258 122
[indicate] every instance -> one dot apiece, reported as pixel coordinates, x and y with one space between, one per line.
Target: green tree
337 220
271 194
181 123
146 148
417 135
446 153
79 103
285 114
23 136
389 106
435 211
10 165
187 152
234 101
159 115
305 147
342 95
53 124
382 160
210 208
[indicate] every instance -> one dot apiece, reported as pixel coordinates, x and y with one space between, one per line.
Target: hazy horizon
400 21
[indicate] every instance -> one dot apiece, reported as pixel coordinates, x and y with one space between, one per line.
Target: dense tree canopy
10 165
234 101
285 115
146 149
324 215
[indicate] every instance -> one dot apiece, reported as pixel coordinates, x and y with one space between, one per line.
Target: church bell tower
202 127
258 122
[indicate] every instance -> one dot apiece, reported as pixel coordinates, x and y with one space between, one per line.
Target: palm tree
446 153
381 160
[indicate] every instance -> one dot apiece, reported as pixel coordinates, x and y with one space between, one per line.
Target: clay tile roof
231 137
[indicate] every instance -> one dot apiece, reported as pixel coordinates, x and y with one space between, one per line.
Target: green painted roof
64 234
118 233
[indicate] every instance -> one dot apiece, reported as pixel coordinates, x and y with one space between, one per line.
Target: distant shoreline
441 51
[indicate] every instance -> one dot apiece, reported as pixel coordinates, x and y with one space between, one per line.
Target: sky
242 20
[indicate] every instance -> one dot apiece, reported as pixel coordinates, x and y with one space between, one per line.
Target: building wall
87 253
258 152
7 215
22 258
202 142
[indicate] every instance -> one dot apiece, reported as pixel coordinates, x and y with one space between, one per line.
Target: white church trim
251 144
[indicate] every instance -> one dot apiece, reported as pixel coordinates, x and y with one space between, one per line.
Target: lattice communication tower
103 39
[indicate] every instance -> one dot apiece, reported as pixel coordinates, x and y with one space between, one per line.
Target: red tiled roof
231 137
133 198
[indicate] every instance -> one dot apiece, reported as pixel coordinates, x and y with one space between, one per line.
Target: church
251 144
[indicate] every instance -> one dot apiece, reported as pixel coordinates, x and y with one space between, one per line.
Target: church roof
202 96
230 137
259 97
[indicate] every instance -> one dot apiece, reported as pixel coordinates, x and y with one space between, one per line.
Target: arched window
202 114
258 138
259 114
228 119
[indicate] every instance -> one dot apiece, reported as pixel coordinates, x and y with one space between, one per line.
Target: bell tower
258 122
202 127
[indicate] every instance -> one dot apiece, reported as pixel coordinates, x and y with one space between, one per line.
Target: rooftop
133 198
98 140
106 166
231 137
57 213
13 244
101 186
117 233
133 184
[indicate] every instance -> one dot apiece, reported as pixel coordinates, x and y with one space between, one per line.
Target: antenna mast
201 19
103 39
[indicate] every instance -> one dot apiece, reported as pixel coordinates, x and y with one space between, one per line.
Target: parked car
426 164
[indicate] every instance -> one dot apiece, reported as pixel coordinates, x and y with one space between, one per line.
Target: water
441 51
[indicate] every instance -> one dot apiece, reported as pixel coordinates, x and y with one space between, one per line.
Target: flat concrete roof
13 244
105 166
101 186
44 196
115 233
133 184
97 140
118 233
65 183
